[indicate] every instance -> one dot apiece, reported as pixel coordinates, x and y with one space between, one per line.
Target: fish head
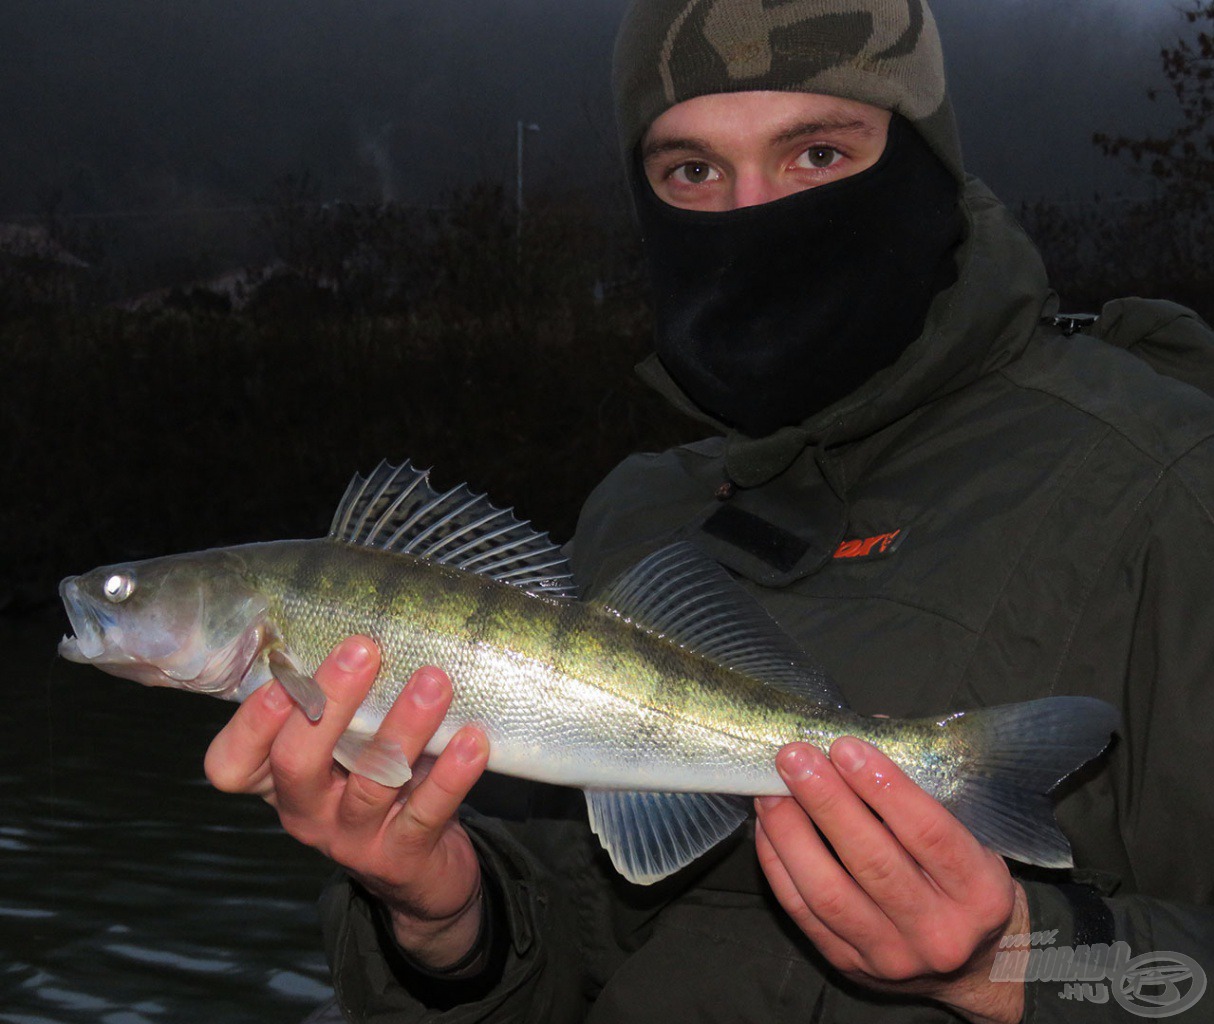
191 622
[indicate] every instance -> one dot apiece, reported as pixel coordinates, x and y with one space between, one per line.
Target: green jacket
1050 502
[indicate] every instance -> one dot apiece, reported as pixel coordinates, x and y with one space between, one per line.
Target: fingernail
276 698
353 655
848 754
766 803
795 762
467 747
425 689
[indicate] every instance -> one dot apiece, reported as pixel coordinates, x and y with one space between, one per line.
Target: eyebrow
839 126
843 126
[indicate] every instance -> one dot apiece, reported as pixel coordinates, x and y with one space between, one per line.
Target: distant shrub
141 432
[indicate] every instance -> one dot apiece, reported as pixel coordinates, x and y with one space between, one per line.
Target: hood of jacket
976 325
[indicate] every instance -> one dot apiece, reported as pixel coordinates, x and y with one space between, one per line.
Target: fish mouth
86 644
102 637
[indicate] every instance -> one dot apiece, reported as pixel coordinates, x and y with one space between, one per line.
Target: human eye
694 172
819 158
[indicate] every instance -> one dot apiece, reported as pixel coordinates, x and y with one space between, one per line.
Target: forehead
761 115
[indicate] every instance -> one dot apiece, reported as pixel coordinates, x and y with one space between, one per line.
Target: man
947 499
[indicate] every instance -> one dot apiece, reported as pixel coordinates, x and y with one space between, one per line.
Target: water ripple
133 892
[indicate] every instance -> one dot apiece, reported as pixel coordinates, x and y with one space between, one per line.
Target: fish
665 697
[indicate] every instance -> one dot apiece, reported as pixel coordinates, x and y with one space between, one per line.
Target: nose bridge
753 187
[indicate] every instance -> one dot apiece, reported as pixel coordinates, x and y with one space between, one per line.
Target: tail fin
1016 754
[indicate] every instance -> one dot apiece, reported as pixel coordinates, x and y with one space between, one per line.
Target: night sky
129 105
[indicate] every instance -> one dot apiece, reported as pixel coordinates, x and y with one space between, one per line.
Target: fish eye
118 587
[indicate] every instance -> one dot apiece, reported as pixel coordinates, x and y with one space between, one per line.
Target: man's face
729 150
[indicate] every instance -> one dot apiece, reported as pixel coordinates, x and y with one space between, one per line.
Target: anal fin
651 835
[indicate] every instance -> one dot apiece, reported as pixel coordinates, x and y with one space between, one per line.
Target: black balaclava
768 314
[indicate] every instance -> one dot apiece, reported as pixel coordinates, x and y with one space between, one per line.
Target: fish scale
665 698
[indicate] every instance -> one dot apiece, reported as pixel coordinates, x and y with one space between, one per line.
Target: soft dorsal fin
684 595
396 509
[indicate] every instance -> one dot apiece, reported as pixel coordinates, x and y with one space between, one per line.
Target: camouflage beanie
882 52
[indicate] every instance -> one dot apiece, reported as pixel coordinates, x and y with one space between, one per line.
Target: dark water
130 891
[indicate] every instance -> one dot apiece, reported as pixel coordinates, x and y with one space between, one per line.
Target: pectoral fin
302 688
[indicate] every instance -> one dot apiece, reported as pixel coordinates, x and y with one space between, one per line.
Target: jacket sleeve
1143 828
537 974
1074 918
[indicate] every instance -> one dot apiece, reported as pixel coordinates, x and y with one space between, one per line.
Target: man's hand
406 845
909 901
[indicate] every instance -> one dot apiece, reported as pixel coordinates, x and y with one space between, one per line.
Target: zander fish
665 698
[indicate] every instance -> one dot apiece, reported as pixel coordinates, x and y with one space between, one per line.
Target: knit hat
882 52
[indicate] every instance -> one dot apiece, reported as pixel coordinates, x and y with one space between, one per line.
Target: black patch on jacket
757 537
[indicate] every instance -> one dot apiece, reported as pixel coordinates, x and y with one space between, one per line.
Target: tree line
445 335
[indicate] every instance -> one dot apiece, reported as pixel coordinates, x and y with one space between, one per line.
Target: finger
425 814
237 761
829 893
406 729
418 712
421 768
302 755
944 849
839 952
867 848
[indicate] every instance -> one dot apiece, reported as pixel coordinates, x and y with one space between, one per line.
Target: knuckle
934 835
287 765
898 965
997 907
851 964
420 822
945 957
879 868
947 947
831 798
360 794
220 774
305 830
362 799
831 906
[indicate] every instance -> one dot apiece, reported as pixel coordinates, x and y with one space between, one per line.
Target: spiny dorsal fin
396 509
684 595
